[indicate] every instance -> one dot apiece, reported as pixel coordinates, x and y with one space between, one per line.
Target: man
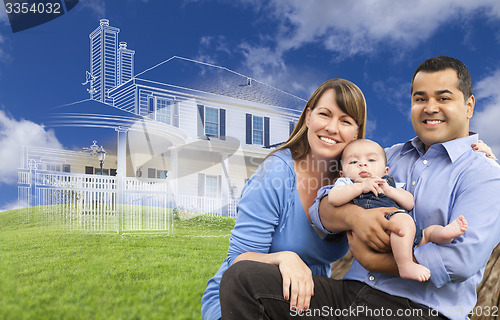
447 180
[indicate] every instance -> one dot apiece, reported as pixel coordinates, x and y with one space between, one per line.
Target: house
217 123
200 127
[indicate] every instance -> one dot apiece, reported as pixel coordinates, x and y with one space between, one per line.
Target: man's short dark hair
441 63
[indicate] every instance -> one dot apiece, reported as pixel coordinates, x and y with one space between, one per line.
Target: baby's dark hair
353 142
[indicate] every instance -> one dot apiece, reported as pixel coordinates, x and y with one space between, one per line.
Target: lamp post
94 150
102 156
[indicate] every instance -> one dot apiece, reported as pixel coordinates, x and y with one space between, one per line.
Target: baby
365 182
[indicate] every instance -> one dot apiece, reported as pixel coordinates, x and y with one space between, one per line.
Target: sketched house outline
203 127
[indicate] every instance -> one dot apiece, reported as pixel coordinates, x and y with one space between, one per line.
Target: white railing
104 203
215 206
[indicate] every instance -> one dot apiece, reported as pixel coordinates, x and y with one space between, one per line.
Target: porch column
226 190
121 171
121 152
173 172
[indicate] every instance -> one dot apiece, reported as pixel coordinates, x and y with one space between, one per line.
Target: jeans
253 290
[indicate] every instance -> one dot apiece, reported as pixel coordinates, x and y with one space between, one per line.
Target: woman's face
329 128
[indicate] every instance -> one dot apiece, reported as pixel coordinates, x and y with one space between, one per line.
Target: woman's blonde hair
350 100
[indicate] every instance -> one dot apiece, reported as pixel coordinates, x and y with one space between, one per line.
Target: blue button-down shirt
447 181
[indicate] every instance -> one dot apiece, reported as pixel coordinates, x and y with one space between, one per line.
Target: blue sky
294 45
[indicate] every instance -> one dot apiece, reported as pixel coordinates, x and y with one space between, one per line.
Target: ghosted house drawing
201 128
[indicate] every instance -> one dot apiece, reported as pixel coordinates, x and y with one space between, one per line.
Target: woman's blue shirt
271 218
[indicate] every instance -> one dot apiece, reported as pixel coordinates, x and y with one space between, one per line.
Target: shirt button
425 161
371 278
413 183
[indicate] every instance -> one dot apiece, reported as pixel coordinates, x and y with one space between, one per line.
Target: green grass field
47 273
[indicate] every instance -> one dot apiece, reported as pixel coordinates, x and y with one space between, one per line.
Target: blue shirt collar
454 148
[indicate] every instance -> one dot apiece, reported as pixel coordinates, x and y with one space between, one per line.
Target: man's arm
371 260
369 224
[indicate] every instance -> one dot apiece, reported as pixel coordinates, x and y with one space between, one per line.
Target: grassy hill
54 274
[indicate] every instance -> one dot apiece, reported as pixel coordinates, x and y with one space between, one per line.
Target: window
66 168
53 167
164 110
211 186
161 174
258 130
105 172
89 170
151 173
211 121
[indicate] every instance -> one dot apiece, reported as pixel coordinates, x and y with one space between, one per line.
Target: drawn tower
110 64
125 63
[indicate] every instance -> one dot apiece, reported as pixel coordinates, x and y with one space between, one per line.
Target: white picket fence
104 203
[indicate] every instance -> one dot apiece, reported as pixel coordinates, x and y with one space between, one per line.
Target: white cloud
1 46
17 133
4 19
213 49
261 60
348 28
97 6
371 126
217 43
487 115
16 204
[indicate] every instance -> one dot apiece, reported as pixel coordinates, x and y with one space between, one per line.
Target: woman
273 223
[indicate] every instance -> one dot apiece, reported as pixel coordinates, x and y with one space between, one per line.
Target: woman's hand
480 146
298 285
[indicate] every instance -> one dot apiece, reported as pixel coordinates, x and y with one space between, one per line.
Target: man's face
438 110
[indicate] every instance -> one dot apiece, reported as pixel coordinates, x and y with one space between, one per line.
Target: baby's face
363 160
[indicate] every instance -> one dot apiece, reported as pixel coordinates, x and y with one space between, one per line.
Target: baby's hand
371 184
383 185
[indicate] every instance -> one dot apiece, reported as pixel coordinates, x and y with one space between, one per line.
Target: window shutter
222 124
249 128
201 184
291 127
266 132
175 121
201 121
151 104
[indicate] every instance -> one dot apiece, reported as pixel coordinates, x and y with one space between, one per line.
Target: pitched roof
200 76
